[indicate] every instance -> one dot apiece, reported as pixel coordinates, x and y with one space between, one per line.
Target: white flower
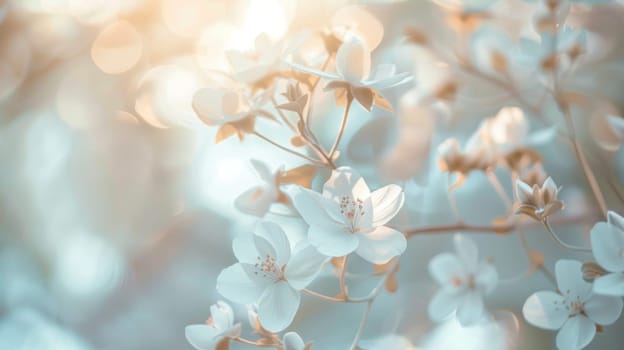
257 200
347 217
353 73
219 327
607 129
575 310
253 67
464 280
607 240
268 274
292 341
538 202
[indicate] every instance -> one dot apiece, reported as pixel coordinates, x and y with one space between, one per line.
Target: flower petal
222 315
304 266
570 279
467 251
353 60
445 267
332 241
202 336
603 310
386 202
576 333
345 181
255 201
443 304
207 104
545 310
292 341
278 306
317 210
606 244
616 220
610 284
235 284
245 249
381 245
486 278
471 308
263 170
276 236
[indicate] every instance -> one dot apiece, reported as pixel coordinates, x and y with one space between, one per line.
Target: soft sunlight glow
261 16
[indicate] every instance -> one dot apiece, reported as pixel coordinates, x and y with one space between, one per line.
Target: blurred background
116 206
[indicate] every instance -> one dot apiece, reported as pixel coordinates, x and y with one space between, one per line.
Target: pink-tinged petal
443 304
610 284
245 249
278 306
570 281
353 60
256 201
202 336
292 341
303 267
381 245
467 251
471 308
603 310
345 181
576 333
332 242
386 202
545 310
235 285
486 278
445 268
274 234
317 210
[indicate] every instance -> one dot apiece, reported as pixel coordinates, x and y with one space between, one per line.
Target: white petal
381 245
345 181
263 170
353 60
524 191
603 310
207 105
471 308
292 341
234 284
545 310
486 278
317 210
386 202
304 266
467 251
274 234
576 333
201 336
549 186
570 279
443 304
318 73
610 284
222 315
263 246
245 249
255 201
332 241
445 267
278 306
607 244
388 82
616 220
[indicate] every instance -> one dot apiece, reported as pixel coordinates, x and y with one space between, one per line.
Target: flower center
469 283
268 268
353 210
574 307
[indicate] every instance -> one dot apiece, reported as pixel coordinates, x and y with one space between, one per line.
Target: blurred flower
607 130
268 274
219 327
477 155
257 200
347 217
353 64
231 109
573 309
464 280
257 67
538 202
553 51
607 240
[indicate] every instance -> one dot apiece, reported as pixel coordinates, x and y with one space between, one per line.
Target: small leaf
301 176
298 141
364 96
382 102
224 132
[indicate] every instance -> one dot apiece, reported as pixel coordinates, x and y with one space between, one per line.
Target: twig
562 243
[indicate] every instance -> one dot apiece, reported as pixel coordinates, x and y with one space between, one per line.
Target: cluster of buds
538 202
453 159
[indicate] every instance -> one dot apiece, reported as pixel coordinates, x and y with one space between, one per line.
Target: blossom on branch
607 239
219 328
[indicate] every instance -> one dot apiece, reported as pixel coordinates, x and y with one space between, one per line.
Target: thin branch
310 159
562 243
343 125
358 334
